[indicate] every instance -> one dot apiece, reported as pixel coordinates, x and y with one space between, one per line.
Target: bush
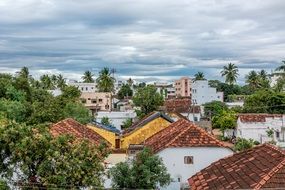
244 144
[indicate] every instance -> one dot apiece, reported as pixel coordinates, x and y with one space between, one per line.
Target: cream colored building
97 101
183 87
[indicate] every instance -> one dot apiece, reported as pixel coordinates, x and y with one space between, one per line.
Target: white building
117 118
84 87
202 93
274 77
165 89
185 150
255 126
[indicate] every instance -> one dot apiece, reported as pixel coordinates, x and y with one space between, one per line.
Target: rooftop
71 127
182 133
256 117
258 168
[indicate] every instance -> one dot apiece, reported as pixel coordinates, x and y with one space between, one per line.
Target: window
195 118
83 101
93 101
82 88
188 159
86 88
106 107
277 134
100 100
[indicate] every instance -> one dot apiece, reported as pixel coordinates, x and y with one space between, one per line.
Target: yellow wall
108 135
141 134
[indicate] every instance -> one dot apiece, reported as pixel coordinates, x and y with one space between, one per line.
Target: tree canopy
231 73
125 91
146 171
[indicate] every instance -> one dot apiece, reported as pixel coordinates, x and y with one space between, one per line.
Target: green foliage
105 81
4 185
49 162
214 108
127 123
265 101
78 112
146 171
71 93
224 120
270 133
88 77
231 73
244 144
125 91
105 121
147 99
13 110
199 76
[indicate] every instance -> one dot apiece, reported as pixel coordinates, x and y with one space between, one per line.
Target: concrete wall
173 159
257 130
138 136
116 118
85 87
203 93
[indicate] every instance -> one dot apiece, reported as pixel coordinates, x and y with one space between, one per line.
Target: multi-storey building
97 101
165 89
183 87
84 87
203 93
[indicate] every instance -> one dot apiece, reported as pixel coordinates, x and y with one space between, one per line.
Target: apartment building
84 87
183 87
97 101
165 89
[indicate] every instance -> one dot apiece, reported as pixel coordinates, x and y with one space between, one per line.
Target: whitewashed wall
257 130
173 159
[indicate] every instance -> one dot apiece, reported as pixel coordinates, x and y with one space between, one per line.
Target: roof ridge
181 133
268 176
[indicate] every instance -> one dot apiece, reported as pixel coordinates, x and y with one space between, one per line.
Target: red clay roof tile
72 127
181 133
255 117
257 168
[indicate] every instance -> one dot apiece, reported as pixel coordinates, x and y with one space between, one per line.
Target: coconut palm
281 67
88 77
253 79
105 81
199 76
24 73
46 82
230 72
60 82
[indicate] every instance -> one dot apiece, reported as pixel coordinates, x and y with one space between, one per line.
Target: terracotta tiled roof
148 118
182 105
255 117
72 127
182 133
260 167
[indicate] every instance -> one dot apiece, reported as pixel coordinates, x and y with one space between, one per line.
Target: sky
147 40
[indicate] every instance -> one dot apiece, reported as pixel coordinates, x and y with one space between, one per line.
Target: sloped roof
148 118
181 105
72 127
256 117
106 127
182 133
260 167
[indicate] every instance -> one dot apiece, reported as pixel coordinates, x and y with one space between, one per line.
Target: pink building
183 87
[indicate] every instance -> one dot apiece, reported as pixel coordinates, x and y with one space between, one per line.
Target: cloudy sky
143 39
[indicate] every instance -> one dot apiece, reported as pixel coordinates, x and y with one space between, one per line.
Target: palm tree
199 76
263 74
46 82
230 72
88 77
24 73
130 82
281 67
253 79
105 81
60 81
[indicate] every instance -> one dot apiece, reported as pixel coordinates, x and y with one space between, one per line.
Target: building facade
97 101
183 87
84 87
202 93
166 90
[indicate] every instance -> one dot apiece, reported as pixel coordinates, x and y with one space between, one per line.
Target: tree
125 91
88 77
199 76
105 121
70 93
253 79
265 101
130 82
32 157
281 67
280 85
244 144
231 73
105 81
78 112
146 171
225 120
60 82
147 99
214 108
127 123
46 82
